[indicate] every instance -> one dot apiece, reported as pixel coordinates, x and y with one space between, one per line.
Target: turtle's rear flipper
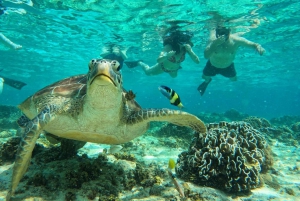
13 83
132 64
31 133
176 117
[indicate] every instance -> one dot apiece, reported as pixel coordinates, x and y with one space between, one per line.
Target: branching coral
229 156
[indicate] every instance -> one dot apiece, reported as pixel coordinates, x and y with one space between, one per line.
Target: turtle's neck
103 100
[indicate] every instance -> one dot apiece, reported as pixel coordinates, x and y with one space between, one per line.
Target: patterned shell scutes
72 87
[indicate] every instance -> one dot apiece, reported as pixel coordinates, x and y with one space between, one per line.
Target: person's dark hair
176 38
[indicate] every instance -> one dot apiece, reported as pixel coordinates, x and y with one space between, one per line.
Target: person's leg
206 78
154 70
9 42
208 72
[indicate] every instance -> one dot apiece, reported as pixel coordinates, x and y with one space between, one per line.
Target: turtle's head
104 72
104 79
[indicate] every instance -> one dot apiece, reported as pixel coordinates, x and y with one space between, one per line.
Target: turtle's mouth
104 78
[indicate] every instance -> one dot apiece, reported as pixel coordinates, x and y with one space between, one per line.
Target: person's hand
220 40
116 51
17 47
187 47
171 53
260 49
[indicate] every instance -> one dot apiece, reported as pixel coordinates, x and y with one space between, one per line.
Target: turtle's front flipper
176 117
31 133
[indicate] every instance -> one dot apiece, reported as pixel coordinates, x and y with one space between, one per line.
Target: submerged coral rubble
229 156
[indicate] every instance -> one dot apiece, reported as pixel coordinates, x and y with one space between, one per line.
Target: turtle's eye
92 63
115 65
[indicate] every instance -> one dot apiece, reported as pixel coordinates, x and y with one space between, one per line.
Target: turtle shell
69 88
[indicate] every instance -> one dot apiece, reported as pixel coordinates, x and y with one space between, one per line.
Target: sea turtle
92 107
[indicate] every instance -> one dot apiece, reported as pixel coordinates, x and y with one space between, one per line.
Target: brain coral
229 156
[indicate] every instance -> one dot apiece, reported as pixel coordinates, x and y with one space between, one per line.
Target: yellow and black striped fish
171 95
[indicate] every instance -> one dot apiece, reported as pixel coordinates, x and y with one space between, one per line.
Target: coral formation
296 127
229 156
7 133
257 122
287 120
147 177
229 115
8 116
8 150
170 130
125 156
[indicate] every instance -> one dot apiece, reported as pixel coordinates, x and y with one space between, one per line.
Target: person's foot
132 64
17 47
202 87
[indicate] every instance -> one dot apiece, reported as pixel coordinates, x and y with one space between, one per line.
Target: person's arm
9 42
247 43
192 54
213 46
166 53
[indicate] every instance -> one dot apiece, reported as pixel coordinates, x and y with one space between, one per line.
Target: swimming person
176 44
114 52
220 52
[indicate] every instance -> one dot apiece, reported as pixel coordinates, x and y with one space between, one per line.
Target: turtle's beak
102 74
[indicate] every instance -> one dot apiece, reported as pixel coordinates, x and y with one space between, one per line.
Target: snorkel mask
184 37
222 31
180 37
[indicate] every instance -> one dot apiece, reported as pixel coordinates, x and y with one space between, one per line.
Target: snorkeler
220 52
176 44
114 52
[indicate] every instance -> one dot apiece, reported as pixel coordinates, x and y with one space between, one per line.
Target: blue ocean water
59 38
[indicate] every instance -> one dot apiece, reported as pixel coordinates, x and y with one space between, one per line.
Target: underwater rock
271 181
234 115
229 156
285 120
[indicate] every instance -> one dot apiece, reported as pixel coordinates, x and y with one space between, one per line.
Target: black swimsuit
211 70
